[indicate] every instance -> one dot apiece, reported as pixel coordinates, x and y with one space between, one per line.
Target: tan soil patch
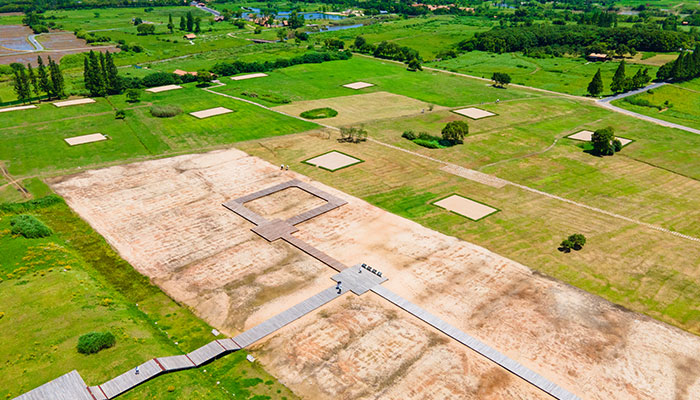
358 85
211 112
361 107
465 207
284 204
17 108
586 136
165 217
165 88
248 76
474 113
94 137
333 161
73 102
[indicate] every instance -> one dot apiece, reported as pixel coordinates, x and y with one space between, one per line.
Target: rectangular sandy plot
94 137
466 207
16 108
210 112
474 113
358 85
586 136
165 88
333 161
248 76
73 102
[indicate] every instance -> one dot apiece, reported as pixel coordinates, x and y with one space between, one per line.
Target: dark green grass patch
93 342
318 113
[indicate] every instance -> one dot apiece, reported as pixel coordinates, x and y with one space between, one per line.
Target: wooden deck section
129 379
274 230
175 363
258 332
509 364
66 387
315 253
358 279
207 353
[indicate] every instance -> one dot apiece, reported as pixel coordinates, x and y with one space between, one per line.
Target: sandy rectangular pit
73 102
248 76
474 113
16 108
465 207
165 88
586 136
333 161
93 137
211 112
358 85
165 217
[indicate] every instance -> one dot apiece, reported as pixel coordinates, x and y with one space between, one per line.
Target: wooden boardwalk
509 364
67 387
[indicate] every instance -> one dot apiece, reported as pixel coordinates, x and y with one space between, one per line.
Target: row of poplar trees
45 81
100 74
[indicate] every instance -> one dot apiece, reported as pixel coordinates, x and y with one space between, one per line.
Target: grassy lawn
428 35
560 74
53 290
645 270
318 81
37 147
683 105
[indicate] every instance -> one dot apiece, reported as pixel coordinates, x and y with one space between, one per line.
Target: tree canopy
455 131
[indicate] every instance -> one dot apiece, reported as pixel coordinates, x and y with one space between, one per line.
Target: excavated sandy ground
165 218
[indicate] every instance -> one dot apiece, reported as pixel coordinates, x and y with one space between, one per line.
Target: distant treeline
683 68
238 67
42 5
577 38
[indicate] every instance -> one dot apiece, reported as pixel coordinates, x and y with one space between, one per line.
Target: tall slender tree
57 82
183 24
112 75
171 27
20 84
44 83
32 79
88 77
618 84
190 21
95 82
595 88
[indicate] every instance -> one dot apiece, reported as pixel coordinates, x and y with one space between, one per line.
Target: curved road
35 43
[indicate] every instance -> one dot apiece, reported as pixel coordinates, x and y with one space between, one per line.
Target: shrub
431 144
272 98
455 131
158 79
617 145
165 111
91 343
409 135
318 113
575 241
120 114
133 95
29 227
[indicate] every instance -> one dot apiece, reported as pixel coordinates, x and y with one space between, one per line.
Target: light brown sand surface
165 217
466 207
474 113
93 137
333 160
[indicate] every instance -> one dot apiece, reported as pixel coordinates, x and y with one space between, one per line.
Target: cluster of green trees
238 67
190 23
100 75
576 38
621 82
453 133
500 79
575 242
45 81
389 51
37 22
685 67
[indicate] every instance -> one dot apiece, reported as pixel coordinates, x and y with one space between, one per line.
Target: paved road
35 43
207 9
606 103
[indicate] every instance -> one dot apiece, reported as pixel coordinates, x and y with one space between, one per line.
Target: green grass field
560 74
682 108
317 81
53 290
38 147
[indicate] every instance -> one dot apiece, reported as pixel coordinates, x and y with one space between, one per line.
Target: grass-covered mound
29 227
165 111
269 97
318 113
91 343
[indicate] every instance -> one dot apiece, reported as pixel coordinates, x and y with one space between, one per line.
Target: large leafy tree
602 140
455 131
500 79
595 88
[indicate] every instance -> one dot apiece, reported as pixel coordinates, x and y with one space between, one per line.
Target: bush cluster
165 111
272 98
318 113
29 226
91 343
575 241
238 67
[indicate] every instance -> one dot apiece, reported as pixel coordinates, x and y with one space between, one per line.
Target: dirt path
13 182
